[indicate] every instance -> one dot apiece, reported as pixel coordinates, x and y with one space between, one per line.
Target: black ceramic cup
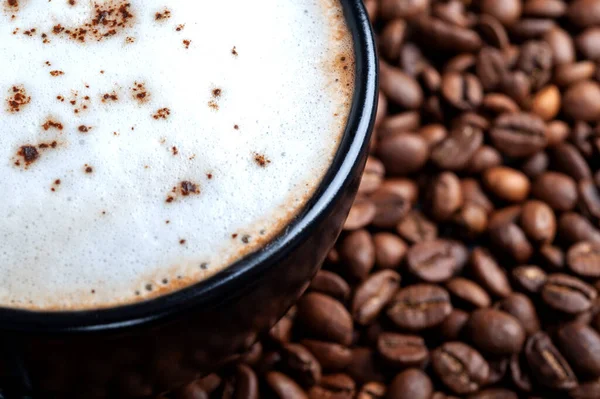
144 349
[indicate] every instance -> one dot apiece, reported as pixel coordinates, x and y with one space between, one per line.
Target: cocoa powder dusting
261 160
162 113
139 93
56 73
51 124
17 99
162 15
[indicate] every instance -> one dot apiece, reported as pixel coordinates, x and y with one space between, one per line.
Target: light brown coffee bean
402 186
372 390
284 387
373 294
473 193
445 196
570 161
538 222
358 253
462 91
389 250
391 9
529 278
361 214
399 87
331 284
433 134
507 183
331 356
521 134
372 176
467 292
325 318
456 151
403 122
574 228
391 39
437 260
583 259
485 157
488 273
557 190
403 153
301 364
535 165
584 12
510 214
546 102
581 101
561 43
568 74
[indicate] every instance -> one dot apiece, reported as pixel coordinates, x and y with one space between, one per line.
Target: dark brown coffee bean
538 222
519 135
330 284
244 383
358 252
445 196
471 219
589 199
583 259
580 344
437 260
498 368
325 318
403 122
584 12
361 214
547 364
485 157
507 183
531 28
570 161
488 273
399 87
391 9
552 257
402 351
416 228
402 186
495 332
506 12
568 74
334 386
587 43
373 294
492 31
568 294
284 387
390 208
372 390
556 189
364 367
546 102
301 364
529 278
190 391
561 44
419 306
392 38
442 35
462 91
498 103
433 134
521 307
535 59
330 356
411 59
372 176
282 331
494 393
535 165
410 384
586 390
452 326
517 86
491 68
500 217
389 250
452 12
468 293
510 239
473 193
403 153
455 152
460 367
574 228
582 101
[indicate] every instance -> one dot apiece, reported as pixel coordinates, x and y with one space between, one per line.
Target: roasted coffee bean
492 31
507 183
442 35
403 153
460 367
402 351
399 87
498 368
535 58
471 219
244 384
334 386
407 121
535 165
521 308
455 152
331 356
538 222
580 344
403 187
488 273
546 103
581 101
529 278
552 257
284 387
419 306
372 390
282 331
472 193
568 294
511 240
587 43
467 292
437 260
452 11
373 294
301 364
190 391
484 158
583 259
358 253
364 366
547 364
517 86
491 68
362 213
416 228
584 12
519 373
589 199
568 74
392 38
325 318
389 250
445 196
586 390
494 393
402 9
390 208
495 332
330 284
519 134
372 176
410 384
507 12
557 190
570 161
561 44
451 328
462 91
433 134
574 228
498 103
500 217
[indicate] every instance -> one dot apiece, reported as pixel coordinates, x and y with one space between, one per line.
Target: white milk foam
147 144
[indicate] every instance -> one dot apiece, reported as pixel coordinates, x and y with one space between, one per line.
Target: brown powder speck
162 113
180 27
12 3
188 188
162 15
217 92
174 150
234 236
48 63
56 73
245 238
129 39
213 104
57 181
234 51
186 43
170 199
50 124
29 154
261 160
167 221
110 97
209 176
17 99
88 169
83 129
60 98
139 93
236 127
182 242
102 72
72 2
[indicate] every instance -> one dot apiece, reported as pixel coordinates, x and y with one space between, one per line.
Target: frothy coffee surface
148 144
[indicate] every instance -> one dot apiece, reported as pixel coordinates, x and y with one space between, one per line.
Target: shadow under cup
144 349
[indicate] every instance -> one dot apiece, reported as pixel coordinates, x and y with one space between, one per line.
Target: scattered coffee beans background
470 263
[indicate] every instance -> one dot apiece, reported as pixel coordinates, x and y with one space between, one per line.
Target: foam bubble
146 144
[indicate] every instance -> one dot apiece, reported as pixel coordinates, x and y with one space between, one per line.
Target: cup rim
205 294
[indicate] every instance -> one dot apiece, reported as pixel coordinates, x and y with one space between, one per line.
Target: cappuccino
147 144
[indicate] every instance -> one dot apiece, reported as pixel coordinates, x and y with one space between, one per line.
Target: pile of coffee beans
470 263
